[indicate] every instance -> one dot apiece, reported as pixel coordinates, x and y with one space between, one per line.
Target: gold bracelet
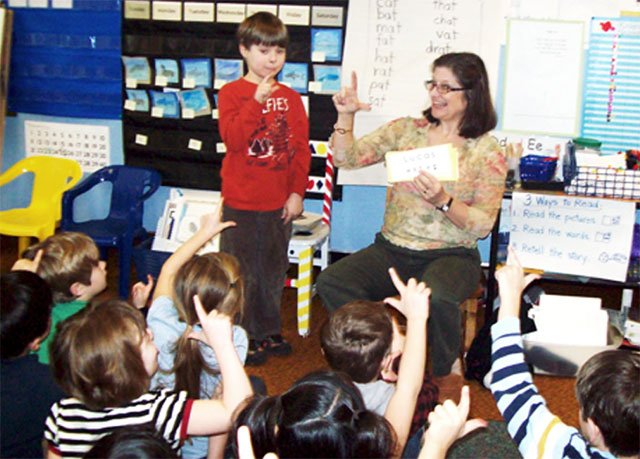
341 131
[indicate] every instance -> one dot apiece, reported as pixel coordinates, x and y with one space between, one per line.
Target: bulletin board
176 57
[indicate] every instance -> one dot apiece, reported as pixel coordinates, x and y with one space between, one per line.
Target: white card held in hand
441 161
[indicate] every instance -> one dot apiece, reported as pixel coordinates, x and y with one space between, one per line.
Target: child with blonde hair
70 263
186 364
104 358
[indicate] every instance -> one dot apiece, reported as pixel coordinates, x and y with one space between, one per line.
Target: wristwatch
446 206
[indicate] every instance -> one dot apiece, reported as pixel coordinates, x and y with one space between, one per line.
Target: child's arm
210 225
292 208
214 416
447 423
414 304
535 429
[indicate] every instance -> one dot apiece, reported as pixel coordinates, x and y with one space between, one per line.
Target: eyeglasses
442 88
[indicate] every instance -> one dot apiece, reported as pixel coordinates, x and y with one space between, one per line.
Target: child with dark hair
27 390
321 415
70 263
607 389
132 443
104 358
185 364
363 340
264 173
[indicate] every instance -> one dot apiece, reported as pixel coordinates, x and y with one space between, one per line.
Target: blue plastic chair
131 186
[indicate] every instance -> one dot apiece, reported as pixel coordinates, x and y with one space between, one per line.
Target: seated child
362 340
607 389
104 357
321 415
70 263
447 423
185 364
27 390
141 442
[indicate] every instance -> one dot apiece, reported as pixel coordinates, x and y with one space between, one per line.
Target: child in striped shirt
104 358
607 389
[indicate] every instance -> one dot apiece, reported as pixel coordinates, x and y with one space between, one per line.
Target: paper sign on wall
440 161
573 235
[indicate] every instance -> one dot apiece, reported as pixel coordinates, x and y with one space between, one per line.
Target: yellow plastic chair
52 176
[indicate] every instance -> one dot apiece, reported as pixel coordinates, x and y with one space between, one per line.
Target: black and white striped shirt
71 428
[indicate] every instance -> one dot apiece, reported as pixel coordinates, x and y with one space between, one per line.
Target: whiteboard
543 76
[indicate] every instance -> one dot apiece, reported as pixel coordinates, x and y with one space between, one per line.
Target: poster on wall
85 143
573 235
543 77
611 109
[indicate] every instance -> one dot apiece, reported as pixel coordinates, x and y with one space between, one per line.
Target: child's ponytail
215 278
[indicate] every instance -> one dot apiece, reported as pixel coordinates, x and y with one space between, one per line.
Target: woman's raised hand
346 101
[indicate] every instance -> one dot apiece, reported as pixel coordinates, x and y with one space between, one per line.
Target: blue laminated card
295 75
194 102
326 78
326 45
168 68
140 98
137 69
227 70
196 72
167 101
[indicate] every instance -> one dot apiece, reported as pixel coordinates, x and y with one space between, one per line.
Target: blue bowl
534 168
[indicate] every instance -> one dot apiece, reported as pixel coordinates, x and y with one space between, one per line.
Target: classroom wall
356 218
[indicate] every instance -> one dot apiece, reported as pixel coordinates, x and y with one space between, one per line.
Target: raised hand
264 89
414 297
140 292
24 264
512 282
447 423
211 224
216 327
346 101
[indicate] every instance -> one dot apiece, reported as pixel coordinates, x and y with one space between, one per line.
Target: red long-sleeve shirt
268 153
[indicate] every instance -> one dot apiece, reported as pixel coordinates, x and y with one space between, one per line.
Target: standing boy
264 176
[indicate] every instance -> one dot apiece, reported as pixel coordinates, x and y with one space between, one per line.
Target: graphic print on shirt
269 143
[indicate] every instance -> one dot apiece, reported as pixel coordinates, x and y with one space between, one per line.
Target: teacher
430 228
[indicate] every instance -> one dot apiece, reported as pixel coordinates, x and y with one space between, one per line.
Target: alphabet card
440 161
573 235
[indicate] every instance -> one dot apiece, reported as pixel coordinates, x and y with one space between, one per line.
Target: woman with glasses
431 228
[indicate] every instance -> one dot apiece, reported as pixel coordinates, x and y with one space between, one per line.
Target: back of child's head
133 442
321 415
262 28
67 258
216 279
25 313
96 355
608 392
356 338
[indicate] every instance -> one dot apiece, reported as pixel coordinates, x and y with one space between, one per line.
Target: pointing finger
354 81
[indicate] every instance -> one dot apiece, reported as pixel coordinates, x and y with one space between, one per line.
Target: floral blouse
409 220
